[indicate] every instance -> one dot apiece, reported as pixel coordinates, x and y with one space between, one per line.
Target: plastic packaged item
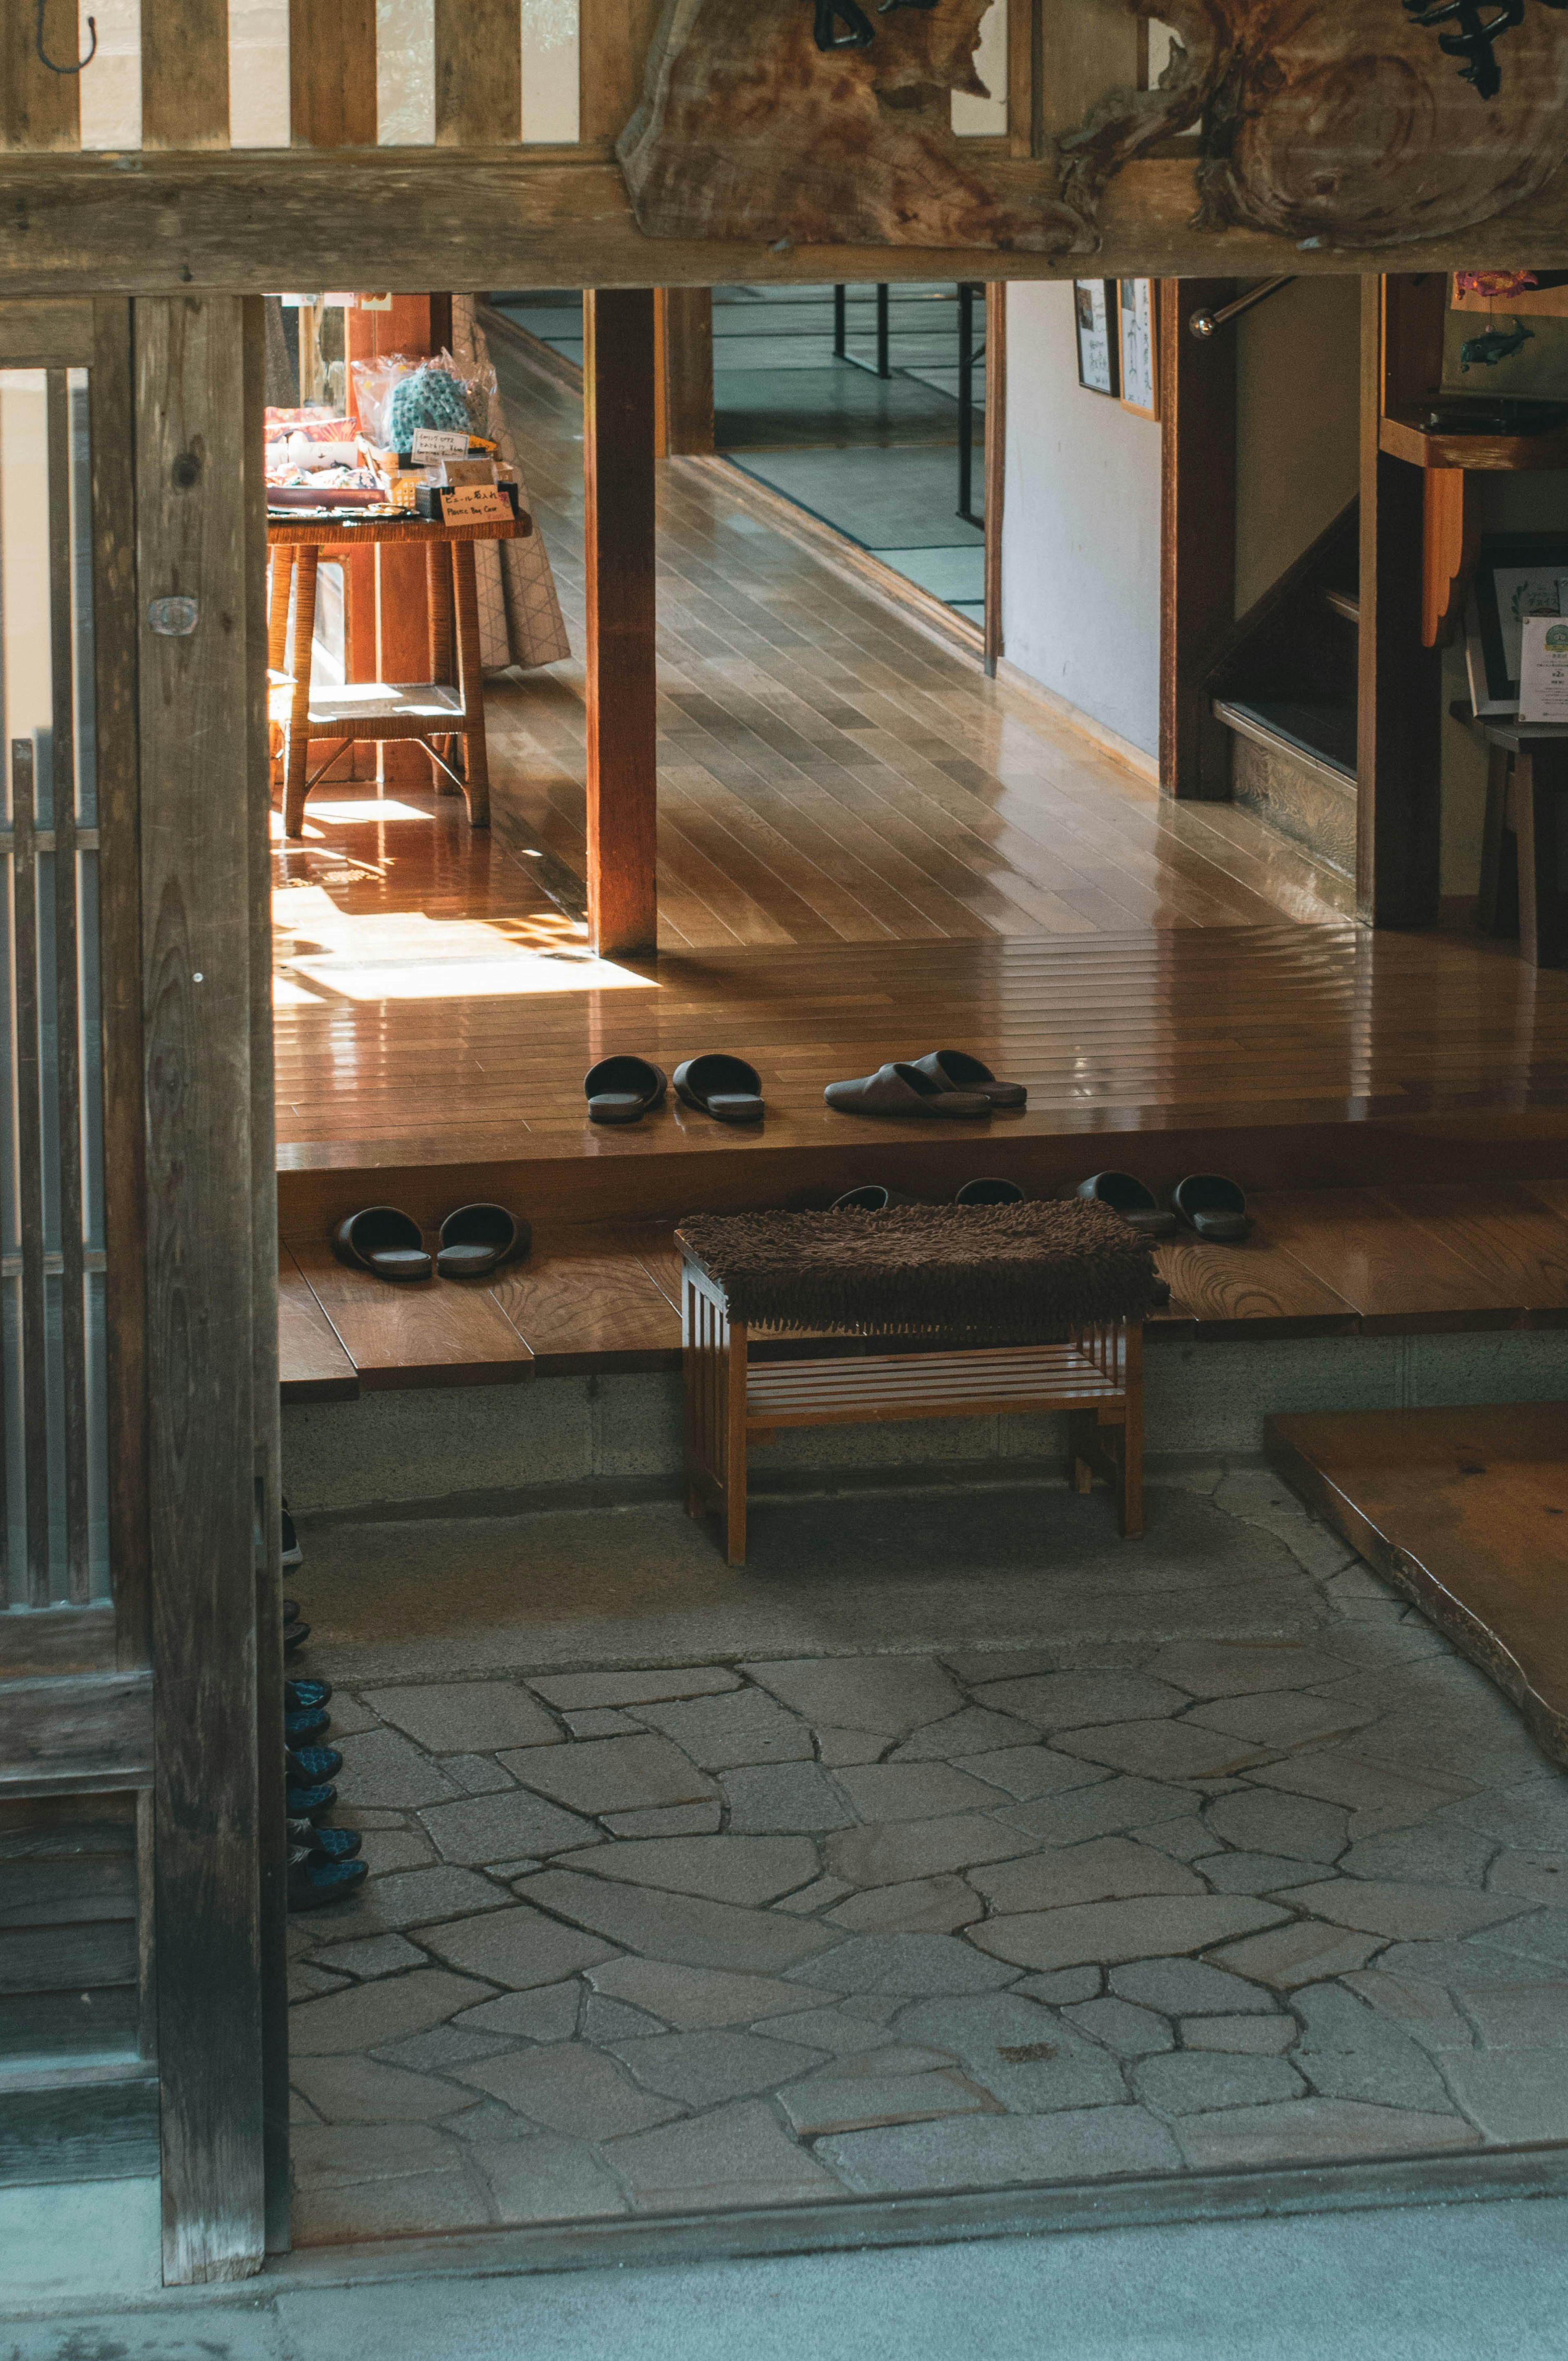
399 394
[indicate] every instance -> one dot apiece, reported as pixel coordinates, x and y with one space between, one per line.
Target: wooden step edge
1248 724
1286 1445
1343 602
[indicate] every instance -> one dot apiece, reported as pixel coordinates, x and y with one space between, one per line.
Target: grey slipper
900 1089
955 1070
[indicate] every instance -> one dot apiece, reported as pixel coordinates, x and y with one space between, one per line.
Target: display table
447 706
1523 845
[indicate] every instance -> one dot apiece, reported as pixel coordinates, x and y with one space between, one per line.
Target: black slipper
898 1089
305 1765
301 1729
620 1090
989 1192
476 1239
871 1198
955 1070
1134 1203
295 1636
290 1610
313 1883
380 1239
302 1696
1212 1206
724 1087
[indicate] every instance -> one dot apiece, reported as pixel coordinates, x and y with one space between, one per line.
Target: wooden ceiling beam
241 221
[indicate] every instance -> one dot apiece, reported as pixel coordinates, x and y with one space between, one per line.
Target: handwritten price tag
476 504
440 443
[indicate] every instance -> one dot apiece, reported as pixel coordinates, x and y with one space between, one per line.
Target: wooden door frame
1198 535
213 1511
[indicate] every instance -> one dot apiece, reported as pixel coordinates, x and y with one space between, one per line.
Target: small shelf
1402 436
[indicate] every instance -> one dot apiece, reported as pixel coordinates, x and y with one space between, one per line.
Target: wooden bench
732 1401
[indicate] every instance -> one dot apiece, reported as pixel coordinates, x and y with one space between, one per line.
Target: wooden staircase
1284 685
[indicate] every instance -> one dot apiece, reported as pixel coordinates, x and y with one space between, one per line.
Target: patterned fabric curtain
520 615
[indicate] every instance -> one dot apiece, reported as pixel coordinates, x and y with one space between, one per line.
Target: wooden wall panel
621 689
185 74
38 109
478 73
198 484
331 73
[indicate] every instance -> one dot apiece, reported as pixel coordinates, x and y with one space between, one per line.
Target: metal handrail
1203 324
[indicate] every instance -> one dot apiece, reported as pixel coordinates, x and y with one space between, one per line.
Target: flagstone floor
1282 1881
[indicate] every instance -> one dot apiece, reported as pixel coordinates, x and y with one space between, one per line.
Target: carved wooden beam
234 222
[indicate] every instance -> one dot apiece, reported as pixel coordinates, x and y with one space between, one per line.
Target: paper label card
1543 670
476 504
440 443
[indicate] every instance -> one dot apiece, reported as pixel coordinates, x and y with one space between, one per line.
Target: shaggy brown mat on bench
992 1274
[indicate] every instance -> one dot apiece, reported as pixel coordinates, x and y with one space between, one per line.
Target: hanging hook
44 57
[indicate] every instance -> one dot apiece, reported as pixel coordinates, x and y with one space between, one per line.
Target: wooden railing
189 75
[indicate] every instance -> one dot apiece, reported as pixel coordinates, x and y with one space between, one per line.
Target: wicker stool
732 1401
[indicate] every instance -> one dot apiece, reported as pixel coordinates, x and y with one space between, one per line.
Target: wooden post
1197 534
683 375
210 1291
618 479
995 463
1399 725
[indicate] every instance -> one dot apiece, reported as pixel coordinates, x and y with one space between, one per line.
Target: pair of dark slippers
1209 1204
945 1083
623 1090
473 1241
874 1199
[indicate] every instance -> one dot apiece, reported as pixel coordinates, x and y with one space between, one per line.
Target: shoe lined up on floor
314 1881
473 1241
874 1197
624 1089
945 1084
1212 1206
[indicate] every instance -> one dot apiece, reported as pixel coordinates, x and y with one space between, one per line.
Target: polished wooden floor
828 772
437 1012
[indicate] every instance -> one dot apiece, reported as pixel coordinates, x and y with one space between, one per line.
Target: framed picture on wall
1516 574
1094 312
1137 313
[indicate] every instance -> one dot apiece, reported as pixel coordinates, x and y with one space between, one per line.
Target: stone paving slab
743 1870
470 1717
676 1926
1241 1867
1121 1931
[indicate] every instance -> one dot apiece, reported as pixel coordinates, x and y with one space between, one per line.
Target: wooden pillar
387 585
617 481
1399 723
210 1295
682 371
1197 534
995 463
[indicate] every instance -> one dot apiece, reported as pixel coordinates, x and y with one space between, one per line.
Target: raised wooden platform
603 1297
1466 1512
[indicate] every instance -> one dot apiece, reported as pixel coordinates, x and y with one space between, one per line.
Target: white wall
1080 530
1081 527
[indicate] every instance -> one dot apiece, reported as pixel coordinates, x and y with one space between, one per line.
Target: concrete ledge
614 1442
